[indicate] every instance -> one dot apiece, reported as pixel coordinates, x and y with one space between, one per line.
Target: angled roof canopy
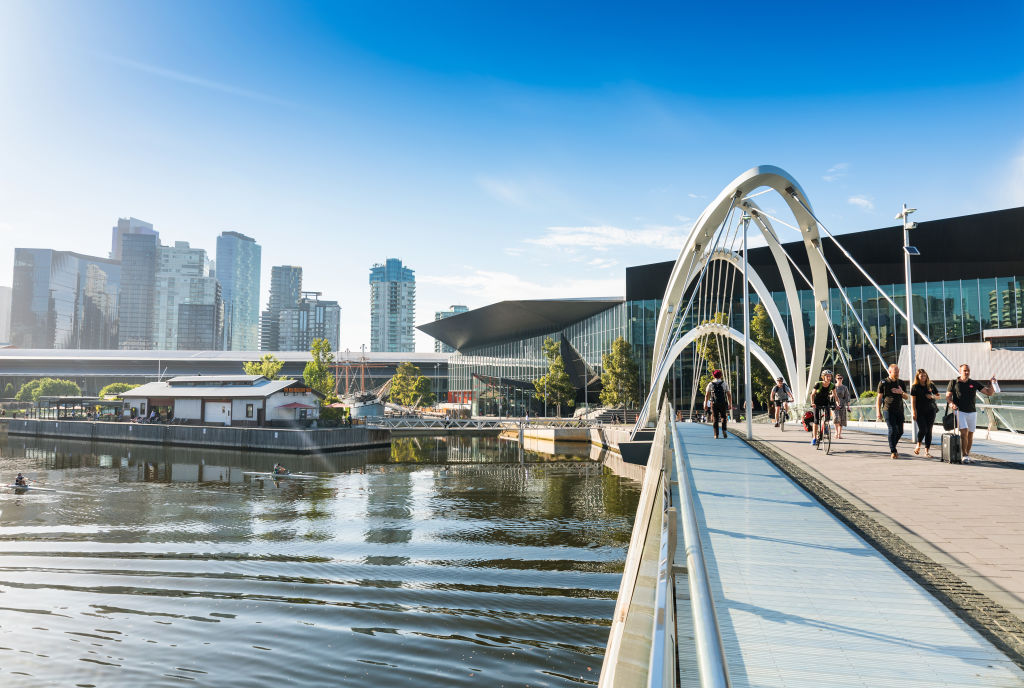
511 320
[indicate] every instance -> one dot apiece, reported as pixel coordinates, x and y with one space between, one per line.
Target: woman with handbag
922 403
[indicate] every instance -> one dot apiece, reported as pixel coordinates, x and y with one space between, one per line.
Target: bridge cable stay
839 286
755 211
681 317
864 272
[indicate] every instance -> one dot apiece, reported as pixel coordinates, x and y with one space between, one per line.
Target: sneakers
776 425
966 459
814 441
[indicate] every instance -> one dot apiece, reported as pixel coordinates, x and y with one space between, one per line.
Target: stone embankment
281 440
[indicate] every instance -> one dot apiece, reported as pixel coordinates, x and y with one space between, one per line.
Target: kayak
279 476
31 487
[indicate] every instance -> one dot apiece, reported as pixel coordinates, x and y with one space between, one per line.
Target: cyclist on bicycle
823 400
780 395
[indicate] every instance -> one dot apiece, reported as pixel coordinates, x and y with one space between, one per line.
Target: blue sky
526 150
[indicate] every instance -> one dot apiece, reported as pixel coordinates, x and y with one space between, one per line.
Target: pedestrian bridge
736 576
471 424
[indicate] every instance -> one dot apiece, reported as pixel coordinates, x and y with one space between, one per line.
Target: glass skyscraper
392 307
64 300
285 292
439 346
238 271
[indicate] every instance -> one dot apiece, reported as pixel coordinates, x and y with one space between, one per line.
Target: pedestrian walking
718 397
962 395
924 409
843 396
889 406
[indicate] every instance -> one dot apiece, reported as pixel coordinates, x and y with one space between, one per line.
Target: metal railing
429 422
711 664
642 644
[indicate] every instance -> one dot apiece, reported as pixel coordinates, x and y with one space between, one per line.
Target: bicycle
825 431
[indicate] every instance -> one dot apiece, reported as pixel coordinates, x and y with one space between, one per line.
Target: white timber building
238 400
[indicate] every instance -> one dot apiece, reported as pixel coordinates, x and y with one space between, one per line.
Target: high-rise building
64 300
238 271
136 306
123 228
5 315
310 319
285 292
392 307
439 346
183 285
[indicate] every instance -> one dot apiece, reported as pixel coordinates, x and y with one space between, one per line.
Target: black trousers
895 422
719 413
925 423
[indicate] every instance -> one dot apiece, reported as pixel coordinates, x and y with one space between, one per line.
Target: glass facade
497 379
63 300
238 271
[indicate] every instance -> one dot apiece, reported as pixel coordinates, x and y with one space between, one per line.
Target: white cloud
861 202
196 81
506 192
601 237
835 172
603 263
513 251
485 287
693 195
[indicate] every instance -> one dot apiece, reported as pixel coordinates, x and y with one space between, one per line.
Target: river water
439 562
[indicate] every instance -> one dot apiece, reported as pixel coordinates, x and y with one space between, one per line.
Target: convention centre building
967 285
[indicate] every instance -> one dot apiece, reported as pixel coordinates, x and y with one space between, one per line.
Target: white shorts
966 421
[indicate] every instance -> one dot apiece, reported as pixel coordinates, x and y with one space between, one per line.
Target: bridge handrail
711 664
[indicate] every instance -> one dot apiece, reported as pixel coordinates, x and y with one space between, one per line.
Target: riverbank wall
278 440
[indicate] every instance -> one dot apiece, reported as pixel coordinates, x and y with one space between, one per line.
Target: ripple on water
377 575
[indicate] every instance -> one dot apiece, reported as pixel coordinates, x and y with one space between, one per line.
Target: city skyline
505 153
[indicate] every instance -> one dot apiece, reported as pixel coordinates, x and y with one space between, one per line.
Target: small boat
268 475
31 487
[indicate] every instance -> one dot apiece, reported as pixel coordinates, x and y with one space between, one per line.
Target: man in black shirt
891 393
962 395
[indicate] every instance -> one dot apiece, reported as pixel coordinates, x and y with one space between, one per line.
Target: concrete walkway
804 601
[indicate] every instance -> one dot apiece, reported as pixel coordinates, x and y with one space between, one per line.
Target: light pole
908 251
545 396
748 404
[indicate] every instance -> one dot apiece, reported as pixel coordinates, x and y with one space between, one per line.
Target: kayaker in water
279 469
21 481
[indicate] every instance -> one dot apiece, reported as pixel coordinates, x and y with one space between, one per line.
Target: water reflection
442 561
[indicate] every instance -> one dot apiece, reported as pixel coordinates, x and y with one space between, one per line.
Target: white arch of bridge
696 254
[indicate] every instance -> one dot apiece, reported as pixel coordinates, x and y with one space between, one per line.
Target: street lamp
908 251
586 380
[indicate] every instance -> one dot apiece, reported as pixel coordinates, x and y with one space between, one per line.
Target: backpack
718 394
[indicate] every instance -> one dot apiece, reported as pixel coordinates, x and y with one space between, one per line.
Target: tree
554 388
268 366
47 387
116 388
762 333
620 377
8 390
410 388
317 373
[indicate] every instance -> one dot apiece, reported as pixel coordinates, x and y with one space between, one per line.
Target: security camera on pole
908 251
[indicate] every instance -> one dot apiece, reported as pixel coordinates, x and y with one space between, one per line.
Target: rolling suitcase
951 450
